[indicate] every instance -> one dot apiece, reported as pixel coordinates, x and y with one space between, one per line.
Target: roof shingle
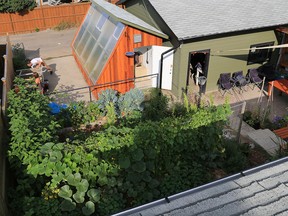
259 191
197 18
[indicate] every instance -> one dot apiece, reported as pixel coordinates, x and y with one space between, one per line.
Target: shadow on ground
67 94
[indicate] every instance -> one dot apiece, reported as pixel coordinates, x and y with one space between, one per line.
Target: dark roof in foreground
197 18
259 191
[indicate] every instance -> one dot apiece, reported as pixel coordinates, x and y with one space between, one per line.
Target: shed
104 47
222 35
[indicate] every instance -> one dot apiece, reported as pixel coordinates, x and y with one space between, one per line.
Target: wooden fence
7 82
42 18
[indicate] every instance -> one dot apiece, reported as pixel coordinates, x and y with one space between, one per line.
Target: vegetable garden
121 151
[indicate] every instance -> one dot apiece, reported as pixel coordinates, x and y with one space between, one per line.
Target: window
102 21
259 55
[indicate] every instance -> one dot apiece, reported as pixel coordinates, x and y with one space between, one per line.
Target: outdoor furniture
268 71
281 84
282 132
254 78
239 80
225 83
54 2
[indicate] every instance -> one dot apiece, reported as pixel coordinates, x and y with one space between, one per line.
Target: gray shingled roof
259 191
197 18
127 18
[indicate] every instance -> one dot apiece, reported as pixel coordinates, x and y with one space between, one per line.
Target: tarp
56 108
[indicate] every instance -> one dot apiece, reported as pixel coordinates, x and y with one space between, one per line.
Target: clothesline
255 48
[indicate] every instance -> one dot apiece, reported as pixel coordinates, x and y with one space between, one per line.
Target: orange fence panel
42 18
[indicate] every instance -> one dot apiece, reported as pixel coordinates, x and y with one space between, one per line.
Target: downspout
161 62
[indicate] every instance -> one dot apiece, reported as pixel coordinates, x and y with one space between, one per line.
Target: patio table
281 84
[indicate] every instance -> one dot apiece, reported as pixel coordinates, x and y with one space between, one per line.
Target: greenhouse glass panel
118 30
88 48
106 33
101 62
102 21
88 17
96 40
94 20
82 43
96 33
110 45
93 58
78 38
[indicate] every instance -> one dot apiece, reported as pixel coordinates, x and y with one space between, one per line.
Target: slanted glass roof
96 40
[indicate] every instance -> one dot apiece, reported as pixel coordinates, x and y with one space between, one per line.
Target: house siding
221 60
138 9
149 15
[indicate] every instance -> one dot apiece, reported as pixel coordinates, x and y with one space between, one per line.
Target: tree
13 6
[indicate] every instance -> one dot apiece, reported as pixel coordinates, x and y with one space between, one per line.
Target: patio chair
54 2
254 78
225 83
240 81
268 71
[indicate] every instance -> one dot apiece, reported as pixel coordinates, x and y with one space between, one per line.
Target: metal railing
106 85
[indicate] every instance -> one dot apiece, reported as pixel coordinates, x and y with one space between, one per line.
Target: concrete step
267 139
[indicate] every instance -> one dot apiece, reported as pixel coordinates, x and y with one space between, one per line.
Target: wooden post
12 25
241 120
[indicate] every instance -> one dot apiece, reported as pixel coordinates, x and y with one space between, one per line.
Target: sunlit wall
96 40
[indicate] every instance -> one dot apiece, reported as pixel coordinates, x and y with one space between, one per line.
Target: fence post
90 94
241 120
11 22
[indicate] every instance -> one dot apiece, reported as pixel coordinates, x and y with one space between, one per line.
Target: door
167 65
198 67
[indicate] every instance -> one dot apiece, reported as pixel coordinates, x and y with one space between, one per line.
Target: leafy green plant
106 97
19 56
279 122
13 6
131 101
113 168
111 114
258 118
156 107
235 158
79 113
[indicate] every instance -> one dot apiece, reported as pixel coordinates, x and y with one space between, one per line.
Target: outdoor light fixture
3 79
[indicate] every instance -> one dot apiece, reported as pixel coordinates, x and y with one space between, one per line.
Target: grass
65 25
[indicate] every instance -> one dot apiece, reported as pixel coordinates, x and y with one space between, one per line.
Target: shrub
257 118
279 122
106 97
13 6
19 58
156 107
65 25
235 158
131 101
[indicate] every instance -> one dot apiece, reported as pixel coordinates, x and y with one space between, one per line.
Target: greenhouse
106 43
